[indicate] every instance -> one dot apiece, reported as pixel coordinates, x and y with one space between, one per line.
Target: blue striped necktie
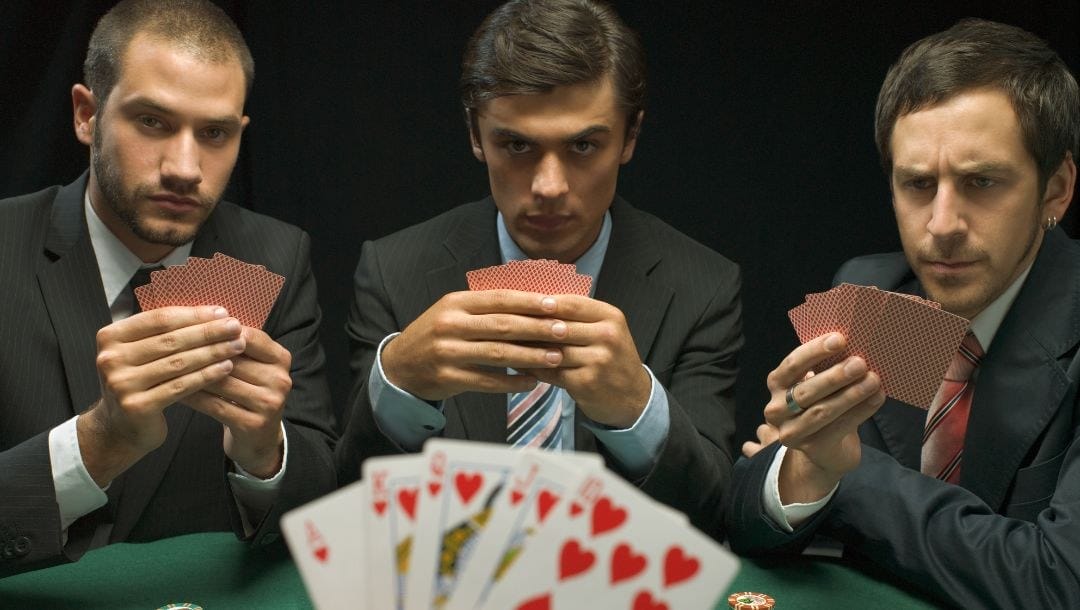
534 418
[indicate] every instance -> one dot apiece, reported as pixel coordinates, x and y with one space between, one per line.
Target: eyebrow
502 132
149 104
988 167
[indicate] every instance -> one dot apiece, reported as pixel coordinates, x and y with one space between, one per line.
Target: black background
758 138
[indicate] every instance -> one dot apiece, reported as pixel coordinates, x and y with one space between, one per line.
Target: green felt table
216 572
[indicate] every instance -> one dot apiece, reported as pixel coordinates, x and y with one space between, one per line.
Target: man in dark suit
977 500
553 94
93 447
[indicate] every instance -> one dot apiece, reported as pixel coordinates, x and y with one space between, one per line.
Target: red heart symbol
434 487
537 603
574 560
380 506
678 567
625 564
606 516
645 601
406 497
575 509
322 553
467 485
545 502
515 497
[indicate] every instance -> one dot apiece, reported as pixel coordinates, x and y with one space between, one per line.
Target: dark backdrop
757 142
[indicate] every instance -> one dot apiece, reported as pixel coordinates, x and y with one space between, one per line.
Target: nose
549 181
180 163
947 219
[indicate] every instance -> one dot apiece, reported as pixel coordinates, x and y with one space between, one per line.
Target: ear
632 132
1059 189
84 109
472 120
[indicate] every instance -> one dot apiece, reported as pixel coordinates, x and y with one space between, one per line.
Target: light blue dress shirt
409 421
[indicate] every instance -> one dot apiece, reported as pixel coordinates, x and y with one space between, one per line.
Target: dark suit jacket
53 306
681 302
1009 534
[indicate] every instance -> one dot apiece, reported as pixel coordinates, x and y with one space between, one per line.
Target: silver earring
1051 222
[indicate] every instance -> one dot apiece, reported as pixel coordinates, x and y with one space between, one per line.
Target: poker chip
181 606
750 601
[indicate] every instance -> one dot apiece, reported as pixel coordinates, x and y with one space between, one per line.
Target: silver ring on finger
793 406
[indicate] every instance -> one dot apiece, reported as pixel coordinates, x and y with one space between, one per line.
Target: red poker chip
749 600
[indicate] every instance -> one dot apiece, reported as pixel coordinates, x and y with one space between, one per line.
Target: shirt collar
587 264
115 262
986 324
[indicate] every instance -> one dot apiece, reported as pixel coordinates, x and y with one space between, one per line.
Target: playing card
247 291
326 539
459 486
533 494
573 563
533 275
906 340
391 519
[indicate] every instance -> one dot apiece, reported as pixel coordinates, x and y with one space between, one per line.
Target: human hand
600 366
766 435
466 340
822 436
146 363
250 403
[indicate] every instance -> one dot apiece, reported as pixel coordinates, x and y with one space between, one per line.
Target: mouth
546 222
175 203
948 267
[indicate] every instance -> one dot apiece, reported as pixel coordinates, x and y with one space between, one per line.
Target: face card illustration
461 483
391 514
534 493
327 542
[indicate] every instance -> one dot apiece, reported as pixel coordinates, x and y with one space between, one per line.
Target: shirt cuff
637 448
787 516
402 417
253 495
76 492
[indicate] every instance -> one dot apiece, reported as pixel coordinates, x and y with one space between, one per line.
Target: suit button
8 552
22 546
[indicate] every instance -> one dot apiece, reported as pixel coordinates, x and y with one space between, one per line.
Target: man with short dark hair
174 420
976 500
644 372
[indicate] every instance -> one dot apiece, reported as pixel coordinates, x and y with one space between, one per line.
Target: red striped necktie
947 419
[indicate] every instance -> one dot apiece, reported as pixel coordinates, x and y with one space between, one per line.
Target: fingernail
854 367
558 328
220 313
233 325
832 343
548 303
225 366
237 345
553 357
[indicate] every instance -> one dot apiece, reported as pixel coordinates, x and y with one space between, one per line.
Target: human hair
198 26
976 53
533 46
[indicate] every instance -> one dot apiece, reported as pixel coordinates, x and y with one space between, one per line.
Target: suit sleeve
940 536
694 467
309 420
371 319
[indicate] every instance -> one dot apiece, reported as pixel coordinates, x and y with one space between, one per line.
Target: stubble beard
125 204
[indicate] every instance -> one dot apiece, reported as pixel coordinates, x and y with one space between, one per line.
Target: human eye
150 122
583 147
216 134
517 147
982 182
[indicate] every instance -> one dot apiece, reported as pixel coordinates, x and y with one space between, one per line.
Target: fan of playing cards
246 291
468 525
908 341
532 275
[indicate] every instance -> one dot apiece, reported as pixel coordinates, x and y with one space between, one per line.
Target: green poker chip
181 606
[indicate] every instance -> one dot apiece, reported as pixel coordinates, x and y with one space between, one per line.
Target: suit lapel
472 243
1020 384
71 276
